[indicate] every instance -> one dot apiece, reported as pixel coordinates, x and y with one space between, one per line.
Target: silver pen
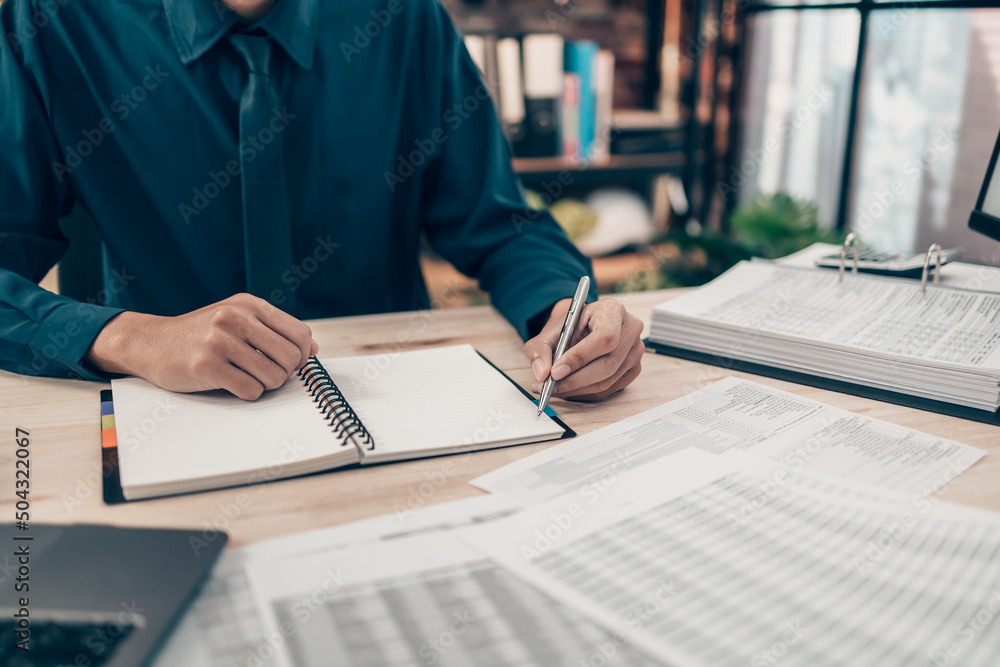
569 326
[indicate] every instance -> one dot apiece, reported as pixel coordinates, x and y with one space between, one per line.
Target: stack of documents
738 525
888 334
698 559
739 416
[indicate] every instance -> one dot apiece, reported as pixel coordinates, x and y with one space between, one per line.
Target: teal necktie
266 231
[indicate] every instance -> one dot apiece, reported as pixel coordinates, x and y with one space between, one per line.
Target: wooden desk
62 416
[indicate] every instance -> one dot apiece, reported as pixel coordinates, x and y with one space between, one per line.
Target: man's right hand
243 345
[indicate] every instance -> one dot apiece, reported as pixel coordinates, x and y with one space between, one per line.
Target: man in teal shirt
253 163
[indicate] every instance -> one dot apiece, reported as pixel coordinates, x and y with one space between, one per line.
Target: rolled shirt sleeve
40 333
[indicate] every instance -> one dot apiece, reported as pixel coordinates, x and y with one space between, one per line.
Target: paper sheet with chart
942 344
708 560
224 626
423 600
891 317
739 415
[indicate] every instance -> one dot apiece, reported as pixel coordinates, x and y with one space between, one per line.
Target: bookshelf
533 170
671 135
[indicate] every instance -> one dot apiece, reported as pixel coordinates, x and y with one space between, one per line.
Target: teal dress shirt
130 108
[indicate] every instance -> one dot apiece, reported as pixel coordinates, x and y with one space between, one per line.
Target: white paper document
422 600
940 326
940 344
707 560
224 626
739 415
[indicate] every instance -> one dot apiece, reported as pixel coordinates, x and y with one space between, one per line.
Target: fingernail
535 387
538 368
559 372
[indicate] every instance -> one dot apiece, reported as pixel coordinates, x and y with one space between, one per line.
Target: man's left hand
604 356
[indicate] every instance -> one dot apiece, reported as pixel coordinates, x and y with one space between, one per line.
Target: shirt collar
196 25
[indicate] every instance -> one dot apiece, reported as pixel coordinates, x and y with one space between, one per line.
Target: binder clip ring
936 249
852 240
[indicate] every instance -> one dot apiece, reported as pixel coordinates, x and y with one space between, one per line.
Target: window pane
796 100
928 120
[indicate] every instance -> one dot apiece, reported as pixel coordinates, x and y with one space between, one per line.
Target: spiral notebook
334 413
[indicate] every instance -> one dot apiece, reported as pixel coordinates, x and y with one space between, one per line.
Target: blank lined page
166 440
436 400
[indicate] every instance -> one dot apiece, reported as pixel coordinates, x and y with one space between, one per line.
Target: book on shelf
580 61
511 90
543 83
604 91
553 98
571 114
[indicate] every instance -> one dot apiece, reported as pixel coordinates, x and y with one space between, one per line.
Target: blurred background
672 138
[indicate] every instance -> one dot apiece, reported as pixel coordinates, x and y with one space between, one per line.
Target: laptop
985 218
93 595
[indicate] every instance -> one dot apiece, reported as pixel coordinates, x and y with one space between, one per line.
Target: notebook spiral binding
333 405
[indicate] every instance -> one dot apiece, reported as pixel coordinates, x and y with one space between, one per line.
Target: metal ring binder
333 405
935 248
852 240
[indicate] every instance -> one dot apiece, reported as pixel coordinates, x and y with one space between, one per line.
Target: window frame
865 8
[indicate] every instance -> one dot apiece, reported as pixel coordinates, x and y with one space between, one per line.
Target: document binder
879 338
864 391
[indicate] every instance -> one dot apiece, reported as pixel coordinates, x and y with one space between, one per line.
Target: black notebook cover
864 391
114 494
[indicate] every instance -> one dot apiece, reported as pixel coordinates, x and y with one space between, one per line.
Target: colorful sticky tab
109 438
548 408
109 434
